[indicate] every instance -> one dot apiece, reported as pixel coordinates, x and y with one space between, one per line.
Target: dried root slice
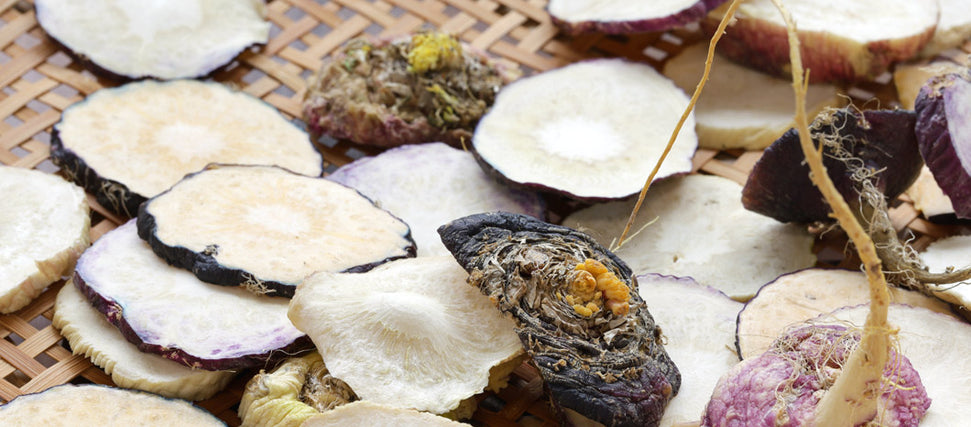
266 228
419 88
910 78
783 386
592 130
366 413
127 144
298 389
624 17
839 40
929 199
698 324
947 254
409 334
953 27
427 185
90 334
164 39
667 239
944 136
71 405
578 313
728 115
168 311
44 226
795 298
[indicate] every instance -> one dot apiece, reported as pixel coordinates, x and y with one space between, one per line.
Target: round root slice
794 298
298 389
44 225
410 333
839 40
696 226
944 136
90 334
784 385
71 405
168 311
953 27
130 143
365 413
937 347
267 229
699 326
623 16
727 115
591 130
159 39
954 251
427 185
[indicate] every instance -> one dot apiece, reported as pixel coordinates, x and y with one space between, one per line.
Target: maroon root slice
624 17
266 228
578 314
881 141
168 311
944 136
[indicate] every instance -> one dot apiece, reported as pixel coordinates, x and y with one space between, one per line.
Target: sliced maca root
127 144
944 136
624 17
90 405
419 88
168 311
163 40
266 228
947 254
578 314
591 131
953 28
44 224
365 413
427 185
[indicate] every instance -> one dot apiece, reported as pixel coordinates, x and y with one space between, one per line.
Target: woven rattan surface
39 80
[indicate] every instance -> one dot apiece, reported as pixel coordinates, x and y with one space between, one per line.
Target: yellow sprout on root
595 287
433 51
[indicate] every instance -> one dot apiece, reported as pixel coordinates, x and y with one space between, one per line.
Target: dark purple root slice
608 368
883 140
610 17
782 386
944 136
167 311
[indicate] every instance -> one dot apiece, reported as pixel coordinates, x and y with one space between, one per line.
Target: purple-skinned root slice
366 413
163 40
797 297
783 386
590 131
624 17
944 136
911 77
839 40
44 225
266 228
427 185
577 312
127 144
90 334
91 405
168 311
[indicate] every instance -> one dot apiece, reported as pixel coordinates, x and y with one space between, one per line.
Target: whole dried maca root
421 88
577 313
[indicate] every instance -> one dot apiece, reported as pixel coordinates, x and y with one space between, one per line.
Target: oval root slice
944 136
624 17
377 415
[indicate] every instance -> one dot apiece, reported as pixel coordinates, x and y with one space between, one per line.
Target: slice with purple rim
944 136
625 16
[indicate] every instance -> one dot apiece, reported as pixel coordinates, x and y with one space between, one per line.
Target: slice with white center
953 28
591 130
625 16
90 334
164 39
947 253
267 229
44 225
168 311
127 144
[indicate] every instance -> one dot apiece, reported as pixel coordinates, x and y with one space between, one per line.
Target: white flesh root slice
910 77
44 225
92 336
953 28
699 329
582 130
410 333
680 207
954 251
928 197
937 346
165 39
794 298
427 185
366 413
727 114
89 405
625 16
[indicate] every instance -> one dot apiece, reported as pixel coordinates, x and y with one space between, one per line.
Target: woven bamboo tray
39 81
